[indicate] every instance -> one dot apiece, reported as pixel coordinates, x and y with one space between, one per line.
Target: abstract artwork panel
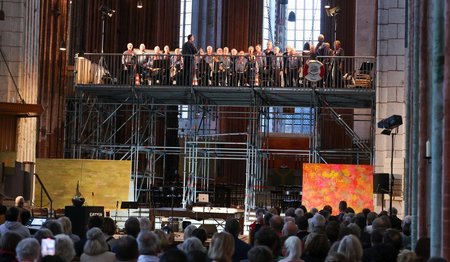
328 184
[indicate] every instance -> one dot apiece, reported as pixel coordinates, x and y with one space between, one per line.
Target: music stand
129 205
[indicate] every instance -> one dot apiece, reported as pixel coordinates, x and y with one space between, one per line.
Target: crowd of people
225 67
300 235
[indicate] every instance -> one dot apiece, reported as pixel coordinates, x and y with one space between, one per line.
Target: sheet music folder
129 205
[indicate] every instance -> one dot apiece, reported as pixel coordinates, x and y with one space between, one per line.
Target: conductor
188 51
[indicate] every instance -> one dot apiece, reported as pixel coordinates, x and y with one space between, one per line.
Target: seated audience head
351 247
394 238
407 256
188 231
292 248
376 237
95 221
354 230
66 225
365 211
163 239
332 231
274 211
313 211
317 245
9 241
20 201
350 210
276 223
379 224
126 249
342 206
290 212
289 229
423 248
371 217
318 222
267 237
335 257
12 214
28 249
197 256
201 234
54 226
267 218
406 225
109 226
145 224
328 208
299 212
360 221
192 244
64 247
95 243
221 247
302 223
260 254
232 226
173 255
43 233
132 226
148 243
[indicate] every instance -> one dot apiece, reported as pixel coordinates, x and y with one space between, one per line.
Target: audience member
257 224
299 212
200 233
276 223
132 227
423 248
173 255
12 223
222 247
192 244
407 256
43 233
292 250
126 249
24 213
96 248
109 229
290 212
332 231
335 257
67 228
197 256
351 247
148 245
163 240
28 250
145 224
396 223
260 254
302 224
8 244
241 248
54 226
316 247
289 229
188 231
64 247
93 221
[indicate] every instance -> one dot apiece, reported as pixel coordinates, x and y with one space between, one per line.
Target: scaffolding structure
129 122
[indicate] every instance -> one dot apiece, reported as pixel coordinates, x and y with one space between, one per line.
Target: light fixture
327 5
62 46
80 55
106 10
291 17
139 4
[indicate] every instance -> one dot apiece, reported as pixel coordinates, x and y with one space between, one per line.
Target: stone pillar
28 80
390 87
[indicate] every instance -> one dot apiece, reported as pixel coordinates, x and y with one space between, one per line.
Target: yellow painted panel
102 182
8 157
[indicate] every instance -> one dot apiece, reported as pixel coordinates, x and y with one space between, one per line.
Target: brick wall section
390 84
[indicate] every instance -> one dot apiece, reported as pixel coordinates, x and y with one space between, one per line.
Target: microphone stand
172 188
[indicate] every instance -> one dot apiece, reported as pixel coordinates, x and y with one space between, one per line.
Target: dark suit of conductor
188 50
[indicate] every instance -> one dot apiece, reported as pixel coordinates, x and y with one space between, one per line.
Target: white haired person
292 250
28 250
64 247
148 245
96 248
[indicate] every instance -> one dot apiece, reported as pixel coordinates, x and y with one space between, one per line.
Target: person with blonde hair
292 250
351 247
221 248
96 248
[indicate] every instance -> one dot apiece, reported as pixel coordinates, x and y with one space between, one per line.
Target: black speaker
381 183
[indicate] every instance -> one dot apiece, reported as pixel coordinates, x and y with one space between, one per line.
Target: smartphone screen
48 247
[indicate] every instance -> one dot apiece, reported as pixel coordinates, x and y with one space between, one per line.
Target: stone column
28 79
390 87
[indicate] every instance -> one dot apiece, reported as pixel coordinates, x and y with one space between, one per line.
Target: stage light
291 17
62 46
390 122
106 10
139 4
327 5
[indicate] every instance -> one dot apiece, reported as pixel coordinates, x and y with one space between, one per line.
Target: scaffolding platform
231 96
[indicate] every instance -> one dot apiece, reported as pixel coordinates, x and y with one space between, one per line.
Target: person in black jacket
188 50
